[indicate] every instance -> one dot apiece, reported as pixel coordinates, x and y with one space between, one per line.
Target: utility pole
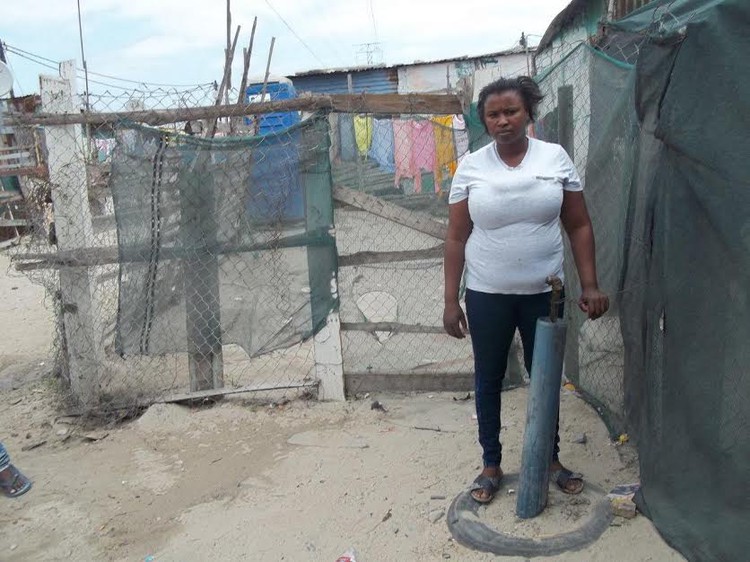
372 53
83 57
229 46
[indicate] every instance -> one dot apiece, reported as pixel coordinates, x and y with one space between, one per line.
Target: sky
182 42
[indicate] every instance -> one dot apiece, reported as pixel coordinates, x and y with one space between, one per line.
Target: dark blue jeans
4 458
493 320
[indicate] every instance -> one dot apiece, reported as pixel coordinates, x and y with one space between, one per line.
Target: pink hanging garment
422 150
402 150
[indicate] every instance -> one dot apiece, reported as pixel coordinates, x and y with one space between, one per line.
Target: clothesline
406 148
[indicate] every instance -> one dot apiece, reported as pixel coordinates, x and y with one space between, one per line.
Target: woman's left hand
594 303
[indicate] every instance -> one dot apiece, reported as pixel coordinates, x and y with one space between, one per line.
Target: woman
12 482
506 203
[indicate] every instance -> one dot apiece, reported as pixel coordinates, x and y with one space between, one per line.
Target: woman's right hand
454 320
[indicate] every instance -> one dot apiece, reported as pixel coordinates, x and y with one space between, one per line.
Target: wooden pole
265 83
198 229
566 126
323 279
268 70
67 173
378 104
224 80
421 222
246 54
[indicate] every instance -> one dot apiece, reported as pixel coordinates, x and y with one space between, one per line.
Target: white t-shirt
516 241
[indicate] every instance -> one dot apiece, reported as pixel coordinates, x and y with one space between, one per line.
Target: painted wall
508 66
444 76
579 30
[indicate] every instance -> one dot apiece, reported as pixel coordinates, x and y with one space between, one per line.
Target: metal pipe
542 410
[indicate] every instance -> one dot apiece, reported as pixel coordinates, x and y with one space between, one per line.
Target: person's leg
531 308
491 325
4 458
12 482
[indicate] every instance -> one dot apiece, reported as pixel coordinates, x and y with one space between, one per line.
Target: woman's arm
577 223
459 229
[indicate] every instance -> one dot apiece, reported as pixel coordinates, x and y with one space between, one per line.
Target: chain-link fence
390 250
181 263
586 104
657 143
406 163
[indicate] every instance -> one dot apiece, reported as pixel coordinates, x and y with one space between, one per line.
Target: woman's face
505 117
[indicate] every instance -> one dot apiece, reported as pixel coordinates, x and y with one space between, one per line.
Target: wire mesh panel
180 262
391 279
589 109
407 164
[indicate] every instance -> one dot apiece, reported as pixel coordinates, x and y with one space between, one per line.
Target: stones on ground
621 500
32 446
95 435
376 405
623 507
581 439
436 515
163 417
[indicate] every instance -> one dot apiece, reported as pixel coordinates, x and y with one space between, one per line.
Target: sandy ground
247 481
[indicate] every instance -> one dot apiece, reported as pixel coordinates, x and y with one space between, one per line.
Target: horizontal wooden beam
363 258
385 104
8 243
88 257
10 197
217 392
408 382
391 327
394 104
12 223
421 222
357 383
35 171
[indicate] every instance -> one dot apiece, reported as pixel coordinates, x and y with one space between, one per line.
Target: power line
20 52
289 27
39 62
54 65
149 83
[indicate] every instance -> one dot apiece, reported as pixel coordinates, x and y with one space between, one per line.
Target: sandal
485 484
563 477
16 485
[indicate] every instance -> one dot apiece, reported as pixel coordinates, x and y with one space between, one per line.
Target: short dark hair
526 88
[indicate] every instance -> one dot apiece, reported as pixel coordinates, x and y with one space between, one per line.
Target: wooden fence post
201 272
329 358
322 266
67 174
